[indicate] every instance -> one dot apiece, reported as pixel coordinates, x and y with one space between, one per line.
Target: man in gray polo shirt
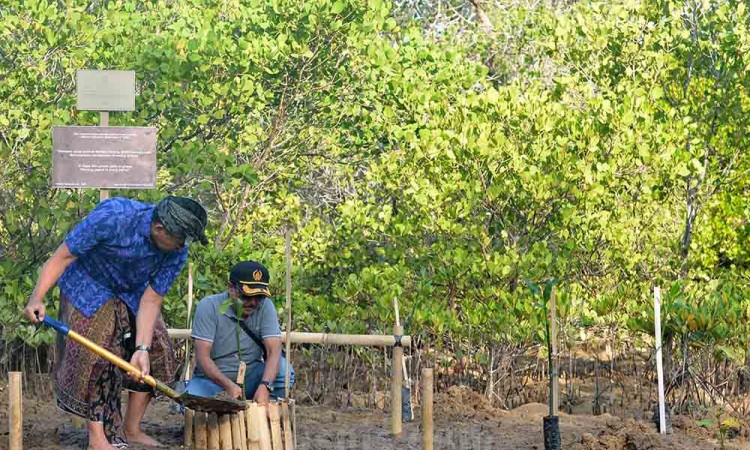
214 332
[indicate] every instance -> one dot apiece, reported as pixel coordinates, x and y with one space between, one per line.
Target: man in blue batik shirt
113 271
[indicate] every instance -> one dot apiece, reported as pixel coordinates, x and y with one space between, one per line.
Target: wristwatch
267 384
143 348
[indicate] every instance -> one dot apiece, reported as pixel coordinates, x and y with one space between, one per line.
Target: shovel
194 402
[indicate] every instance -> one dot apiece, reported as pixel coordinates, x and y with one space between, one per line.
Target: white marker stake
659 367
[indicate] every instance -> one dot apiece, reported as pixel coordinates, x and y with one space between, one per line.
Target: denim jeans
205 387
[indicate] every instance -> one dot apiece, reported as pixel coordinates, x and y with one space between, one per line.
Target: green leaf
705 423
338 7
533 287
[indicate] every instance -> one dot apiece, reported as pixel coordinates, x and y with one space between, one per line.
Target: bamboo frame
258 427
298 337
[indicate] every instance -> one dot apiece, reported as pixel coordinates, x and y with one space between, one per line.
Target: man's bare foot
139 437
97 438
99 445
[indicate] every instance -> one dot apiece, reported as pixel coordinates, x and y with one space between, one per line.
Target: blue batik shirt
116 258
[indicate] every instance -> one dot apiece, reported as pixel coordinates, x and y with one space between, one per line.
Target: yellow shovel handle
122 364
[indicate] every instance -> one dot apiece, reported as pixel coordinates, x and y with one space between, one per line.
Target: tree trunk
570 375
667 355
744 375
597 410
684 358
482 16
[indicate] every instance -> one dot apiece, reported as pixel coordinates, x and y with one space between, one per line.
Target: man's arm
271 334
150 307
273 361
203 356
148 312
273 352
51 271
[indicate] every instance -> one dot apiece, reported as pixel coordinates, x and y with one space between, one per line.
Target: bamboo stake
239 438
15 410
287 370
189 415
187 373
243 430
659 366
297 337
253 432
240 380
261 417
273 415
200 430
214 438
225 432
294 419
396 383
427 430
555 369
236 437
395 307
287 424
397 377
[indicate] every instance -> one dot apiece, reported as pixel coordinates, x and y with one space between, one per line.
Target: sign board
105 90
104 157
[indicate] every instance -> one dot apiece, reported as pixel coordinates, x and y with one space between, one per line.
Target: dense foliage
433 158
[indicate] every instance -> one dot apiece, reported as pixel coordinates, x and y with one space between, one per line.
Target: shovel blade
208 404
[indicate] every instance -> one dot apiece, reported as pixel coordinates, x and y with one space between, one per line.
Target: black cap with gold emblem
250 278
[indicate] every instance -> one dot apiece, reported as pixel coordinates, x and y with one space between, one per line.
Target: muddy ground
463 420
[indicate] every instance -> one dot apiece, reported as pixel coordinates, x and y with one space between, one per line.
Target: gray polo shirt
211 325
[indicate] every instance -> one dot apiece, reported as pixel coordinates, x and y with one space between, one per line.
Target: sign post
104 157
103 122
